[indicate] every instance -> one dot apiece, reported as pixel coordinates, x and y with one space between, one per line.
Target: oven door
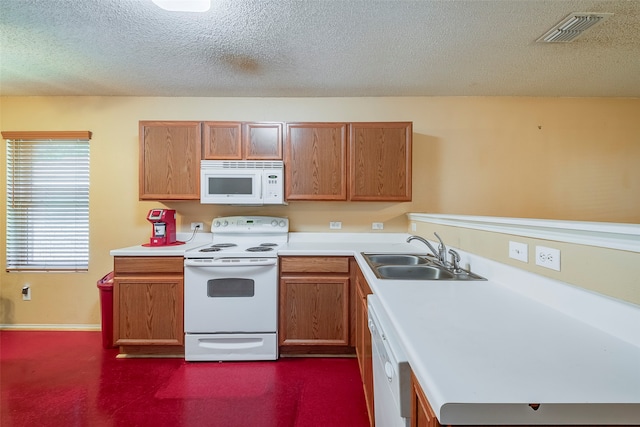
240 295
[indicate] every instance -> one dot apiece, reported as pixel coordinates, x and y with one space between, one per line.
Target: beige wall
563 158
611 272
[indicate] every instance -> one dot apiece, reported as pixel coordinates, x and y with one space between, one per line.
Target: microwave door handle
260 183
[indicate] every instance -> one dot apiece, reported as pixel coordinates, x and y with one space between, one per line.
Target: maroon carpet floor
68 379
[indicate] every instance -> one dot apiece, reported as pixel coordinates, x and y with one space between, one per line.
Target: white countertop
200 239
483 351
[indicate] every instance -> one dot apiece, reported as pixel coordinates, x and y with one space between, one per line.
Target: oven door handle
230 262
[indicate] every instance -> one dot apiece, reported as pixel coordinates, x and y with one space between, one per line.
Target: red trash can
105 286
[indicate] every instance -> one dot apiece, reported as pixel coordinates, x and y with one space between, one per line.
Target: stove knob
282 223
274 223
224 224
216 223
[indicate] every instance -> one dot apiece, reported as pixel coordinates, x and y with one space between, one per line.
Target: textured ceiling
316 48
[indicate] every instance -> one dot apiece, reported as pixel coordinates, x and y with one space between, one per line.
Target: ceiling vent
572 27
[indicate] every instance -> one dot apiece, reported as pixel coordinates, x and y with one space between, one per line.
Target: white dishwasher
391 372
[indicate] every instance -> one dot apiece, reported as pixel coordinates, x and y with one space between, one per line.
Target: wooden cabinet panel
129 265
148 310
363 341
314 311
422 414
222 141
310 264
377 166
315 157
148 307
380 161
242 141
169 160
316 305
262 141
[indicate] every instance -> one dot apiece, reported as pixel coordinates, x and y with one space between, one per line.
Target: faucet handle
442 250
455 260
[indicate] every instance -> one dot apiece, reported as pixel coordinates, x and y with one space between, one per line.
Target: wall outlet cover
519 251
548 257
377 226
26 293
335 225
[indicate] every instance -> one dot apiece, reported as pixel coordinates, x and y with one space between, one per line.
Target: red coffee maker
164 227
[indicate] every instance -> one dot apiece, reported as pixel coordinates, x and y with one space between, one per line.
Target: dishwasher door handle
388 370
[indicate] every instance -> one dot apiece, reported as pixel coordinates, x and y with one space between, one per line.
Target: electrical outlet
548 257
519 251
26 292
377 226
335 225
414 227
197 225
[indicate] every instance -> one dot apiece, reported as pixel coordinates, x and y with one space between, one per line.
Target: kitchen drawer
312 264
147 265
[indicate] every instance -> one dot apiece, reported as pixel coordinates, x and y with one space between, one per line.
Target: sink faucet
440 253
455 261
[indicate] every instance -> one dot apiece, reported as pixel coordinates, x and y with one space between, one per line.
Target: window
47 201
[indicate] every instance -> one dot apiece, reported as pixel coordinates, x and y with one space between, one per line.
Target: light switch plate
519 251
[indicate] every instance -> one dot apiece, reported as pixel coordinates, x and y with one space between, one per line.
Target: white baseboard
50 327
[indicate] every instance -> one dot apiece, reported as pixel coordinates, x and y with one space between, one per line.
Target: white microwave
242 182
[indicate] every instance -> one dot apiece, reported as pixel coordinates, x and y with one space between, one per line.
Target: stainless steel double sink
414 267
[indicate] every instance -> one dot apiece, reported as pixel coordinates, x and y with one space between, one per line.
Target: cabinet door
222 141
363 341
315 157
262 141
314 310
148 310
421 413
169 160
380 161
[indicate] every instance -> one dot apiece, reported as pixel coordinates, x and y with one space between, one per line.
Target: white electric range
231 290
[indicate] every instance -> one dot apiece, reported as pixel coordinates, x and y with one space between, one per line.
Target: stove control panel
249 224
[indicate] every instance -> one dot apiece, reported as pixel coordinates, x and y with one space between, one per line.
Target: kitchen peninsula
494 352
487 353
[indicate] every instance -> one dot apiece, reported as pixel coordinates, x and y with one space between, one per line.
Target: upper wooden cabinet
242 141
348 161
315 159
380 161
169 160
368 161
262 141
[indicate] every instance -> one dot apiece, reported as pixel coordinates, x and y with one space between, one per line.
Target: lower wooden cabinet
421 413
315 305
148 305
363 341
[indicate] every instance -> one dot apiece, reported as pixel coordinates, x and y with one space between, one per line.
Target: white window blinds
48 202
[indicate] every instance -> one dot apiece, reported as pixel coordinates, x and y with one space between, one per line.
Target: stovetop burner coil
259 249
